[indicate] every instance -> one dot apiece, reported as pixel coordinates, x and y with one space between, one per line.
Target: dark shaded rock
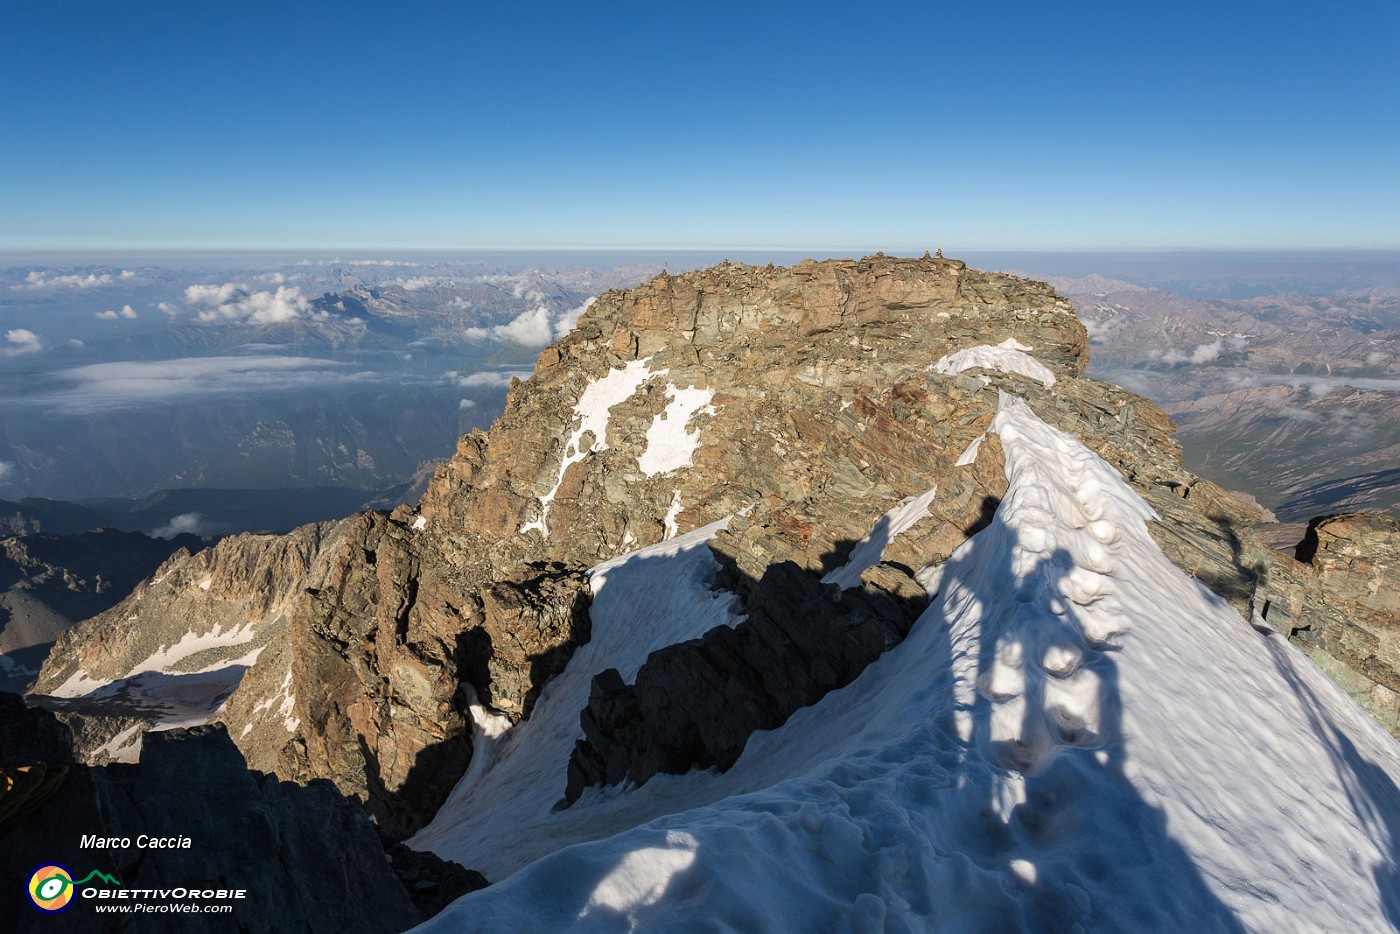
431 881
695 704
308 859
28 735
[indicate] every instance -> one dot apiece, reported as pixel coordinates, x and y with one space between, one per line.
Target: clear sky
1072 125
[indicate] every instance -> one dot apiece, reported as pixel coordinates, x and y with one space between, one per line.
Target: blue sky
894 126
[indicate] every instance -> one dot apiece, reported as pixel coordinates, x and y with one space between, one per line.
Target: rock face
1355 561
810 403
1357 557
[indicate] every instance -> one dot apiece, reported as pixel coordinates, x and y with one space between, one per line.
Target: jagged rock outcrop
805 402
1354 560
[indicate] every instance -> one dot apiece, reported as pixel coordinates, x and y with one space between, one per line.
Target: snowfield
1075 736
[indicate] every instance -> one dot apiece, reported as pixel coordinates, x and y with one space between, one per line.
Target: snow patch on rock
670 445
285 702
673 513
1007 357
592 411
969 455
870 550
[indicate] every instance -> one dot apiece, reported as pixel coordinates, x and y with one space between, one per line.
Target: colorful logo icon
51 888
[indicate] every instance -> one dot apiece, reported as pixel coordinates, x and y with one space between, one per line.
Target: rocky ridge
806 402
49 581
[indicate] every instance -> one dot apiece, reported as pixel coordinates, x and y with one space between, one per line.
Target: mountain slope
1075 735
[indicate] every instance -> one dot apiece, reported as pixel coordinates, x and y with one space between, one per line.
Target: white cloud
191 522
74 342
22 340
1204 353
7 468
38 280
463 406
103 387
127 312
414 283
490 378
530 329
231 303
377 262
212 295
569 319
169 309
1098 331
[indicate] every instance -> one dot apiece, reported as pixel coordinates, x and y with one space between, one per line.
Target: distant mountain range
1293 398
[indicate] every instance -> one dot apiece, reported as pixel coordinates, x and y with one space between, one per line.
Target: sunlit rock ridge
732 498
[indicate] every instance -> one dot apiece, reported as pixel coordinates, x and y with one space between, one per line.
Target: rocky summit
833 416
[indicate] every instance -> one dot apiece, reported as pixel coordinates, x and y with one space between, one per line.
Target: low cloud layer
486 379
1316 385
108 386
414 283
126 312
7 468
